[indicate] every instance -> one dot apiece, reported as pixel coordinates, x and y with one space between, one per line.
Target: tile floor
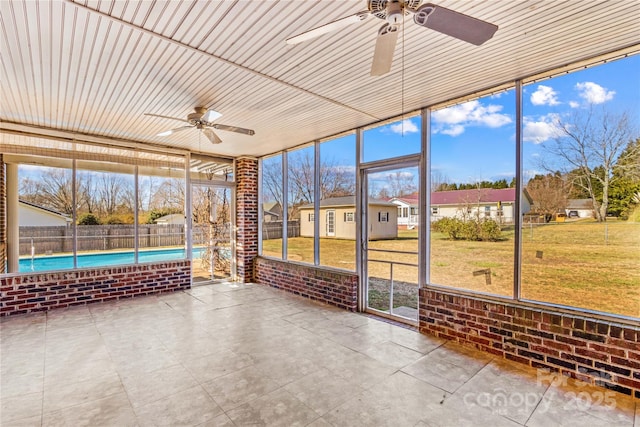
239 355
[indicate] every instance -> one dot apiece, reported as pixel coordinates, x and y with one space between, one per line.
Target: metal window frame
285 202
517 220
316 203
260 206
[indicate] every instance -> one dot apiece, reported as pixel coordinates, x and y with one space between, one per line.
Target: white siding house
32 215
490 203
582 207
170 219
408 210
496 204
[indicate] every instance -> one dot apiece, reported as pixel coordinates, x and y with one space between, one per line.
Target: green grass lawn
584 263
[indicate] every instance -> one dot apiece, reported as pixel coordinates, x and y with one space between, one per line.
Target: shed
338 219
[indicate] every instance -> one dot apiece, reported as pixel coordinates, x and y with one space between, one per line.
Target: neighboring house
496 204
338 219
582 207
272 211
170 219
408 211
30 214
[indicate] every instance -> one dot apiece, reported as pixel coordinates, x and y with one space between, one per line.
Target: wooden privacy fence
273 229
56 239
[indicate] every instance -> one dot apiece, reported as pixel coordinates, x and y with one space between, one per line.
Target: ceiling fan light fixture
211 115
394 12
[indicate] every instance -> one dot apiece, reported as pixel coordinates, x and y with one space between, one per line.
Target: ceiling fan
203 119
446 21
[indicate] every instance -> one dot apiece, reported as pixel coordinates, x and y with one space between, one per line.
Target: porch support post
246 217
13 227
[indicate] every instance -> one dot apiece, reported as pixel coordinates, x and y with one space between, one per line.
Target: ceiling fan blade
172 131
215 139
211 115
232 129
385 46
454 24
166 117
327 28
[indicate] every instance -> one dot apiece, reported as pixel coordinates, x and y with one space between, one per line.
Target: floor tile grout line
44 366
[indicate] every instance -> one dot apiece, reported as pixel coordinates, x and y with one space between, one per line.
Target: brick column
246 216
3 216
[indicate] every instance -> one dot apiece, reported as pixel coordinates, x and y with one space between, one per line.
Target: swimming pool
64 262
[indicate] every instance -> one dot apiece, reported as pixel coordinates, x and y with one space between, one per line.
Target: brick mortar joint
513 304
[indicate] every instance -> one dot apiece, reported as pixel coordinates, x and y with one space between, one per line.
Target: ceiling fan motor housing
196 117
392 10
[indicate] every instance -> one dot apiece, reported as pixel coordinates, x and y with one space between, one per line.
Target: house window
383 216
434 210
414 211
312 217
405 212
487 211
348 217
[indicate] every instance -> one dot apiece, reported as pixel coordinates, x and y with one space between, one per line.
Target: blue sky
476 140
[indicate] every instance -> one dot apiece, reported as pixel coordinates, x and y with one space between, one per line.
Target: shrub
475 230
490 230
114 220
88 219
634 216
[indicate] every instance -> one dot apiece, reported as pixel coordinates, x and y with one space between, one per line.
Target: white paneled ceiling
91 69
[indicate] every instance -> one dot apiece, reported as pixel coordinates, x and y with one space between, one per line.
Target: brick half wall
26 293
596 351
335 287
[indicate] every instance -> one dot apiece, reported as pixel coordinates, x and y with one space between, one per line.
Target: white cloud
544 95
541 130
454 130
404 127
593 93
453 120
574 104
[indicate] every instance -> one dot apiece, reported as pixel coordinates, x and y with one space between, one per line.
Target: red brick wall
3 215
596 351
246 217
317 283
25 293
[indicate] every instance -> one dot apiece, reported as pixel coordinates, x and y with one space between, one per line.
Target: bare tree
335 180
87 192
53 190
111 188
169 195
272 181
301 177
588 145
548 192
438 180
401 183
212 223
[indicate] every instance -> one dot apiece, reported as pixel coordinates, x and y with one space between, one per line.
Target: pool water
64 262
